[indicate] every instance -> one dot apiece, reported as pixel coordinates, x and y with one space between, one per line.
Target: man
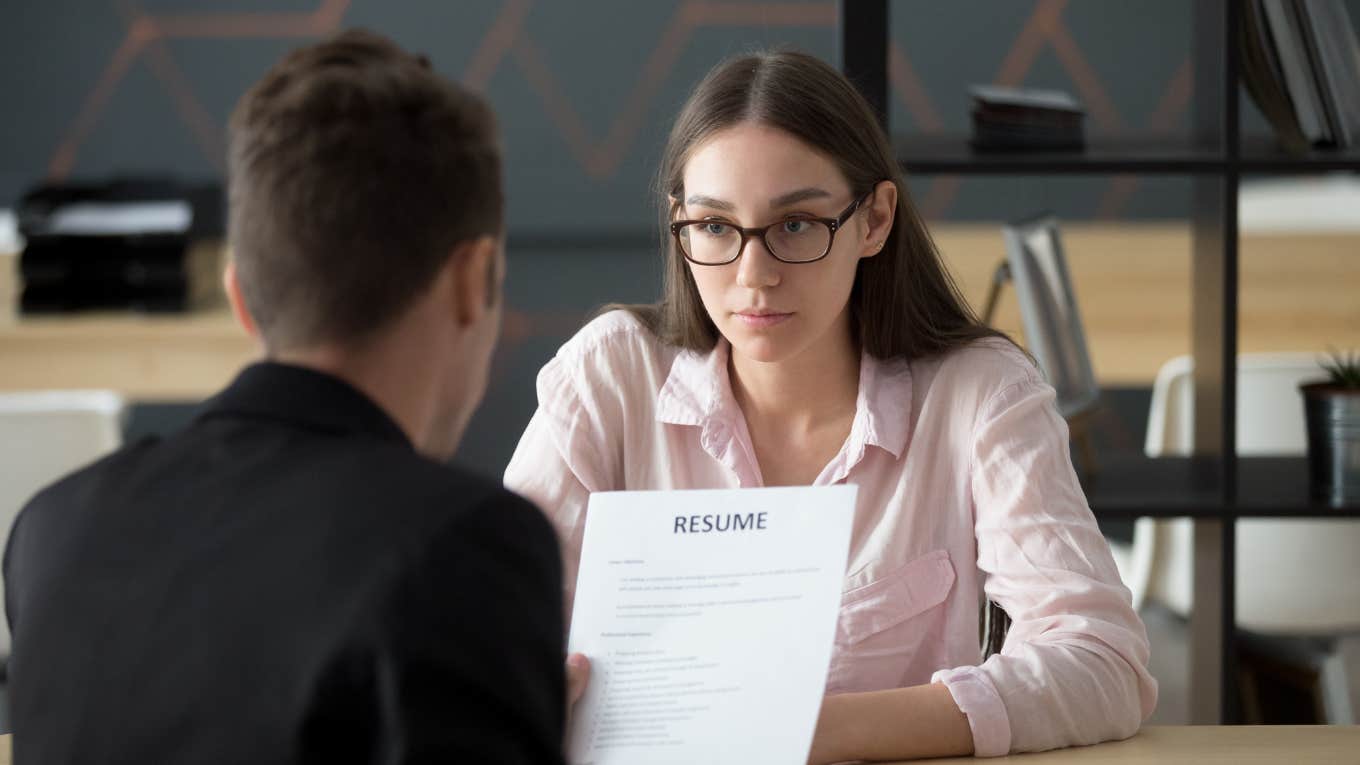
296 577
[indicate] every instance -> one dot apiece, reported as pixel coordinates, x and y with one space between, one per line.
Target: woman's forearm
898 724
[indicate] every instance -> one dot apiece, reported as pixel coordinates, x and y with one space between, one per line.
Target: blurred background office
586 91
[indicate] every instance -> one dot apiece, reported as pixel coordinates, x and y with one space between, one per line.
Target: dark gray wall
586 91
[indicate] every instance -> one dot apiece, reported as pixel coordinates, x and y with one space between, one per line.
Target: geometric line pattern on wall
145 39
600 157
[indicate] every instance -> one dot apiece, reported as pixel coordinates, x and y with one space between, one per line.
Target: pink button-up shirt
965 486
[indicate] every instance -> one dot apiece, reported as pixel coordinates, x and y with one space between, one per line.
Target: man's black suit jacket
285 580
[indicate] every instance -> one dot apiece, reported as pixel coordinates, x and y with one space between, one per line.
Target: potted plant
1332 412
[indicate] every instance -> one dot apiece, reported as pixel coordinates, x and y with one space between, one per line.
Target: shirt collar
305 397
884 403
698 390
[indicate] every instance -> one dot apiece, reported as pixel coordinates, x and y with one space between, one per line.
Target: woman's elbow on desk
1071 692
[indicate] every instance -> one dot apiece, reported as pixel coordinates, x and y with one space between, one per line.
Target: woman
808 334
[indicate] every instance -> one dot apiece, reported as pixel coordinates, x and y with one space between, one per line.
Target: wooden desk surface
1206 745
1172 745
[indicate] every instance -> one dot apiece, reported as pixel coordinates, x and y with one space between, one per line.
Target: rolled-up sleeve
1073 669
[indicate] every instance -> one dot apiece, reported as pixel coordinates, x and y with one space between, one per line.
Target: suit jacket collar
306 398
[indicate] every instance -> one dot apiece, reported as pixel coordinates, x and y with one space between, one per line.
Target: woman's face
753 175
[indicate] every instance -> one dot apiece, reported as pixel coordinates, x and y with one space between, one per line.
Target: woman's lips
763 320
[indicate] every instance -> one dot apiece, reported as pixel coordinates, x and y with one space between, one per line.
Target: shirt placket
850 454
719 438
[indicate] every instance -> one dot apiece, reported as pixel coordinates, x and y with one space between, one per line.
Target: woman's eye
795 226
715 229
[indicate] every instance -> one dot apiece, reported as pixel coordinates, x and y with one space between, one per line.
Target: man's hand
578 676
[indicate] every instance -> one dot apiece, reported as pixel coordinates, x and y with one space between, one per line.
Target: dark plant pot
1333 418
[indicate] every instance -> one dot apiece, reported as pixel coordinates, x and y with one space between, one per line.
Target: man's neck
392 372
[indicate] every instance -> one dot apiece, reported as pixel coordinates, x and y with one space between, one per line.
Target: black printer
142 244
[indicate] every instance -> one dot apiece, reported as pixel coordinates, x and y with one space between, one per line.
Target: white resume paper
708 618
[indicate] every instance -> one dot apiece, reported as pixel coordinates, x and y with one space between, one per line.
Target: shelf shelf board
1262 154
942 154
1133 486
939 154
1277 487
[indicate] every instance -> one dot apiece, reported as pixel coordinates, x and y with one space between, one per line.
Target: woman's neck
805 393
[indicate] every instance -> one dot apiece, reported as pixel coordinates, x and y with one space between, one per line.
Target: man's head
366 201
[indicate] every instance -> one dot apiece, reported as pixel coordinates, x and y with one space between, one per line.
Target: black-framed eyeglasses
798 239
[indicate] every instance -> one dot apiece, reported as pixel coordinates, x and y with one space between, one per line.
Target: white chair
1294 577
43 436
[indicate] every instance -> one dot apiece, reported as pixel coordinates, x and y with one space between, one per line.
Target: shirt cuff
977 698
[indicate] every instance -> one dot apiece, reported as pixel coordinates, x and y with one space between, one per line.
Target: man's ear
231 284
476 280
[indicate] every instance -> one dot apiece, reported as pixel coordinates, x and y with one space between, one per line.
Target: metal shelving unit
1215 487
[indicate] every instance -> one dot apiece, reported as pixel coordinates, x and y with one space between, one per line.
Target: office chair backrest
995 624
1269 406
43 436
1293 575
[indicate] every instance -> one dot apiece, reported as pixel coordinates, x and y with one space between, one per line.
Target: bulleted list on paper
708 618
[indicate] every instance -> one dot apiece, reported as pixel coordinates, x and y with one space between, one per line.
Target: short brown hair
903 303
354 172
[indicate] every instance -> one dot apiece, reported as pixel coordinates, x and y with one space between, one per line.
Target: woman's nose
756 267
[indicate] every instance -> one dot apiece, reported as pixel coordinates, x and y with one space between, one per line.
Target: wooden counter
1132 282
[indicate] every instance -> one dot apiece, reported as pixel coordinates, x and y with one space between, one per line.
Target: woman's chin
761 348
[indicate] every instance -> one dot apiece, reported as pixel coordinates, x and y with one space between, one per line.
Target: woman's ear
879 212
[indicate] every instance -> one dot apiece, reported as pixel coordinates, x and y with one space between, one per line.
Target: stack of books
1301 65
1015 119
130 245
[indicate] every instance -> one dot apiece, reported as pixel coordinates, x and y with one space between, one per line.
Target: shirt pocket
883 626
920 584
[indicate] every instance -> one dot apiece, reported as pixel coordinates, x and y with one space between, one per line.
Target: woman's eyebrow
783 200
702 201
793 197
